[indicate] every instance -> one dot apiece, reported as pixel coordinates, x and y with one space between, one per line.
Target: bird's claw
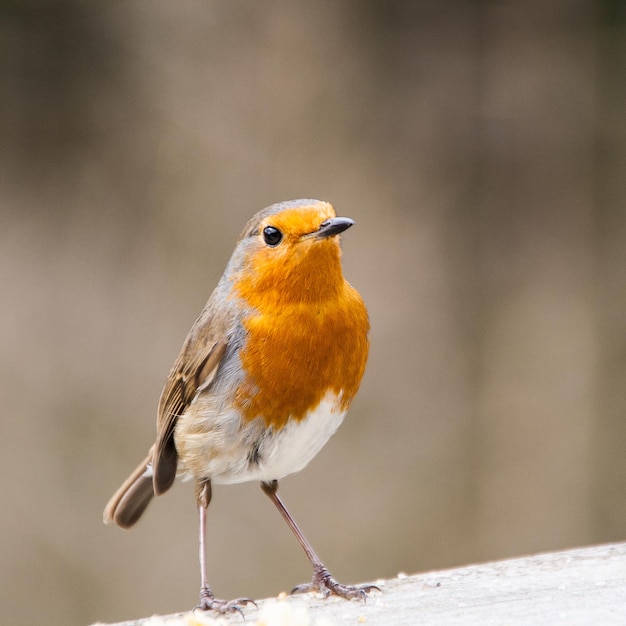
325 584
208 602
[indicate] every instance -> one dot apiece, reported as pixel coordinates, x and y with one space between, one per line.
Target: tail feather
131 499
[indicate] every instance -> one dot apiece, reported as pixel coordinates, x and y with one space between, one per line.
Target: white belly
232 452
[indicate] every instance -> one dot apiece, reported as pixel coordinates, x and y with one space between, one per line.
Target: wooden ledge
574 587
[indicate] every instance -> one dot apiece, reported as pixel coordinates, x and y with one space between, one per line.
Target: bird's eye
272 236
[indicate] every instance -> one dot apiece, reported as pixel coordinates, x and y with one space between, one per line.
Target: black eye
272 236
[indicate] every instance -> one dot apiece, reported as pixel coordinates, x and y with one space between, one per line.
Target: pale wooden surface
575 587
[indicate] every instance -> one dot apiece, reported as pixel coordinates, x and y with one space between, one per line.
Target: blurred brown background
481 148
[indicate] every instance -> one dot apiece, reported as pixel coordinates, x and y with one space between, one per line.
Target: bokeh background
481 148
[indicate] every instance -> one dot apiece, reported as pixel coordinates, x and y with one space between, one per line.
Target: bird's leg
322 581
208 602
203 497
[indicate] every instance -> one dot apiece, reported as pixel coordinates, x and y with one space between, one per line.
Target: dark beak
332 227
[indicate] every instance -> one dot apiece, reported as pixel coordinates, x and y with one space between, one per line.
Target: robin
264 377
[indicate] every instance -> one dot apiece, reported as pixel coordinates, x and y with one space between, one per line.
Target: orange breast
300 345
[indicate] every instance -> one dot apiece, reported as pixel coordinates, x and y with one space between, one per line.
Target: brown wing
193 371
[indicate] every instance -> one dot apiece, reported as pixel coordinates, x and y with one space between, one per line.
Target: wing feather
193 372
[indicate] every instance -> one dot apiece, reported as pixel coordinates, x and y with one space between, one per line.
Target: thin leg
203 497
208 602
322 580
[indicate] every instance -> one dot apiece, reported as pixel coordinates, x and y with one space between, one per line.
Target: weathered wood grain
574 587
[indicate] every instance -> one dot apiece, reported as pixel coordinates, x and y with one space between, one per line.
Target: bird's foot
325 584
208 602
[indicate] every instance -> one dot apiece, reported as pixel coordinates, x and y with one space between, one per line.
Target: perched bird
264 377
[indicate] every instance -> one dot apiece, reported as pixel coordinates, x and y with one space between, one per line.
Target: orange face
307 329
300 268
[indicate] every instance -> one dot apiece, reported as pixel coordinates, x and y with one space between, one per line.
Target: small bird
264 377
